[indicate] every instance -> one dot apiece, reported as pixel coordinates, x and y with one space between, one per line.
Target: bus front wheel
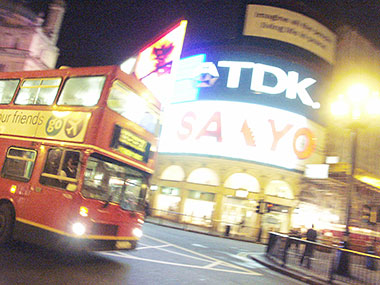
6 223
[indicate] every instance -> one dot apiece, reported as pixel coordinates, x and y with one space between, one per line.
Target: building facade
29 41
257 129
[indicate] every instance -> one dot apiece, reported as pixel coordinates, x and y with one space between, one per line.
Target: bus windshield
131 106
114 183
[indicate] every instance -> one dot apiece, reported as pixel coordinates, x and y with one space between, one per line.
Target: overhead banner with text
290 27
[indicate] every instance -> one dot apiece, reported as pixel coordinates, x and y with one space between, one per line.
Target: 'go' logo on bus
53 126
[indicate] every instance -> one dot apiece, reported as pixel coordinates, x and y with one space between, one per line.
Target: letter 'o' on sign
304 143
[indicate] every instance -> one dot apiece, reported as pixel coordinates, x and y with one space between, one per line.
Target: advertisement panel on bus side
68 126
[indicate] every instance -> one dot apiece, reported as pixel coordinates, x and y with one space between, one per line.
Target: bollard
227 231
370 262
342 260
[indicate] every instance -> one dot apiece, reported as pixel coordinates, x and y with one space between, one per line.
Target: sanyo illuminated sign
289 82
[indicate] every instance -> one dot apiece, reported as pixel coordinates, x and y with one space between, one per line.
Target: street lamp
354 107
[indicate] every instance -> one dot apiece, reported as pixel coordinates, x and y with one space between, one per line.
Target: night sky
109 31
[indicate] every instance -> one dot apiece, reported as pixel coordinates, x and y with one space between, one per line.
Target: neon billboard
155 63
242 131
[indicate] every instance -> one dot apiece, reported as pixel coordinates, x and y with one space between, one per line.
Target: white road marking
199 245
202 255
182 254
216 263
152 246
211 266
125 255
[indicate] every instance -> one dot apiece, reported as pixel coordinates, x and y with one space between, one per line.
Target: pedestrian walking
311 235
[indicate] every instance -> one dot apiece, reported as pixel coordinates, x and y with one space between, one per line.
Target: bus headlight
78 229
137 232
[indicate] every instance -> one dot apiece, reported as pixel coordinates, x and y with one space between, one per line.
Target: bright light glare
373 106
83 211
356 112
137 232
60 114
13 189
358 92
128 65
78 229
340 108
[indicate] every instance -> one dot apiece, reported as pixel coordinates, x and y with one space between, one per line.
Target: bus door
51 198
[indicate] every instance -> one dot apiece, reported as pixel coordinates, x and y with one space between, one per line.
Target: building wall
320 201
357 61
227 206
28 43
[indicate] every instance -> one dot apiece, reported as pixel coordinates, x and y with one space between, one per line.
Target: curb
291 273
201 232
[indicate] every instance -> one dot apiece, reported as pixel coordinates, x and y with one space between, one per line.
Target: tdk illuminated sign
252 78
285 82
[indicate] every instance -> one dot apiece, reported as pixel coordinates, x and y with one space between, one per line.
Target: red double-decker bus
77 149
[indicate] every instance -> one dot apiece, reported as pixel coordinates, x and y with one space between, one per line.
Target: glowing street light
354 107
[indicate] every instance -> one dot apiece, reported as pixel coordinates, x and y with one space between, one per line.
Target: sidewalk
196 229
260 258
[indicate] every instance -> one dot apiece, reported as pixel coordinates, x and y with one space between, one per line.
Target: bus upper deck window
82 91
132 106
7 90
38 91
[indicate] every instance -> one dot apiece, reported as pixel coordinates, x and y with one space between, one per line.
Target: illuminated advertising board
290 27
186 87
243 131
155 64
253 78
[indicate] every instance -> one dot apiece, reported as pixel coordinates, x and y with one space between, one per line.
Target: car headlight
78 229
137 232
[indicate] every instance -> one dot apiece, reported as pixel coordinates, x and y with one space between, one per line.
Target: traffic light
373 216
369 214
269 207
366 212
258 207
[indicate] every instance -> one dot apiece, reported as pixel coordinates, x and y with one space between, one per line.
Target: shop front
204 192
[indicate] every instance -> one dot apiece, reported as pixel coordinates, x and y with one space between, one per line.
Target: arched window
242 181
204 176
279 189
174 173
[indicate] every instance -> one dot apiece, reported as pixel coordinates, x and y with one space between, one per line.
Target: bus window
133 107
114 183
61 169
7 90
82 91
19 164
38 91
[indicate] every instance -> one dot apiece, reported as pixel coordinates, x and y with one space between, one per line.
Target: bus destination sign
129 144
